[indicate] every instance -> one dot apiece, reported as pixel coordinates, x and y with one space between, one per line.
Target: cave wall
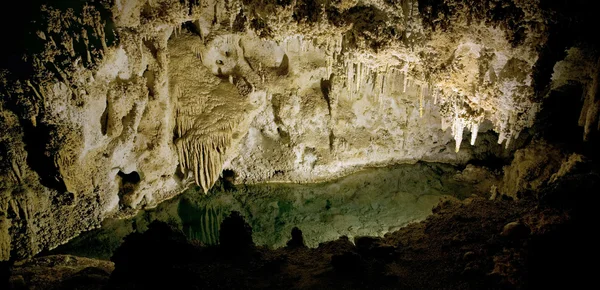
125 103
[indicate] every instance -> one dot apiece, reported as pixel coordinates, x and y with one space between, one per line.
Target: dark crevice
40 154
189 26
558 118
568 25
331 140
150 45
239 24
129 178
179 175
228 179
128 183
307 10
150 82
215 20
553 51
285 136
284 67
104 120
325 90
261 27
276 105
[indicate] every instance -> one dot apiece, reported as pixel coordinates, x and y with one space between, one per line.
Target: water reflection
371 202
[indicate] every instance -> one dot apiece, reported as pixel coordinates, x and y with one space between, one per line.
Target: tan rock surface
122 112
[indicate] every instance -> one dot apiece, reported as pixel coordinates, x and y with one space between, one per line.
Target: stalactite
421 101
457 129
474 131
590 111
204 156
383 79
358 76
458 115
405 74
207 113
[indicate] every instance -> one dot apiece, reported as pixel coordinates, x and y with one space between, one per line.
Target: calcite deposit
115 106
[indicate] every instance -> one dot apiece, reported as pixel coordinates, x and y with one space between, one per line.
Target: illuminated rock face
121 112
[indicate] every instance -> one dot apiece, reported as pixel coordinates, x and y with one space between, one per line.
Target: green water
371 202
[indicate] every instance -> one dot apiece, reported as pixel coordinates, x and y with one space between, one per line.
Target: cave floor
471 244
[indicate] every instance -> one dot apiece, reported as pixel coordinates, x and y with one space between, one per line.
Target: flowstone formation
112 106
212 114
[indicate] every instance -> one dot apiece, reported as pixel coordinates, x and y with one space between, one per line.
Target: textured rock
581 67
515 230
116 107
61 272
538 167
531 169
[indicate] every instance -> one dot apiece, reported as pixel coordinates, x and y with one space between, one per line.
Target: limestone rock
115 106
61 272
531 169
515 230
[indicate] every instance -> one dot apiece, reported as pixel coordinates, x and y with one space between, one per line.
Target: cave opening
128 183
132 178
